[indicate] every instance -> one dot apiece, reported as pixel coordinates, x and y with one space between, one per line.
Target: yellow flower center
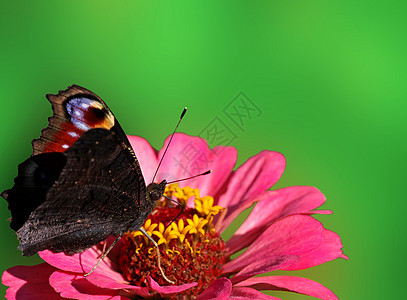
191 250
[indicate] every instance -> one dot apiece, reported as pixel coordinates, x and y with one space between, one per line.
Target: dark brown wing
100 191
35 177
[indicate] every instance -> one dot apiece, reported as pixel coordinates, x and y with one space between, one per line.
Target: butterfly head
155 191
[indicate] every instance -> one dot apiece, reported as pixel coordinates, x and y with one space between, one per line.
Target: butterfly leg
103 256
158 255
104 249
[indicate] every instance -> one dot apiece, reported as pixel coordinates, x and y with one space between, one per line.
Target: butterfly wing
75 111
73 192
35 177
99 192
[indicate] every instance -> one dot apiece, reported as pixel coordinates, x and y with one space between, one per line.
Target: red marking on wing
63 137
75 111
92 117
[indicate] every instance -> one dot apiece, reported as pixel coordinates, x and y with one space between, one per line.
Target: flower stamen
190 248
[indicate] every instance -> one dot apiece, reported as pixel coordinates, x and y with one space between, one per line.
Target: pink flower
279 234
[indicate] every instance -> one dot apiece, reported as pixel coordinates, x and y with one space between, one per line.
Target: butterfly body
83 182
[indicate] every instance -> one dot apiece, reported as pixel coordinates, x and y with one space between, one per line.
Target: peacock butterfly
82 182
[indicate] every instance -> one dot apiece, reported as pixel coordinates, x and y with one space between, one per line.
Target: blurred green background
328 78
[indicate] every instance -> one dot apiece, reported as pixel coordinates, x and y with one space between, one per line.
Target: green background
328 77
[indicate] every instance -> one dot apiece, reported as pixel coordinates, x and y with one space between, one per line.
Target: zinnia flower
279 234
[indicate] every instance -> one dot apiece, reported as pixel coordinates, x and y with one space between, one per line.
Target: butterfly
82 182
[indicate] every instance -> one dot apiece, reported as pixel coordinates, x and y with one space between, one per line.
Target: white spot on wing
73 134
80 125
78 108
65 146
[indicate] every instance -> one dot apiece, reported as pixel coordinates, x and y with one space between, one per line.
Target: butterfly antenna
172 135
180 212
158 255
183 179
103 256
176 202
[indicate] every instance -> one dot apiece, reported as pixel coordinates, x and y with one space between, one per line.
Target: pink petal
264 266
114 254
329 249
292 235
189 155
78 263
219 289
321 212
110 281
344 256
222 161
249 181
277 204
248 293
29 282
292 283
169 289
75 286
104 276
146 156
